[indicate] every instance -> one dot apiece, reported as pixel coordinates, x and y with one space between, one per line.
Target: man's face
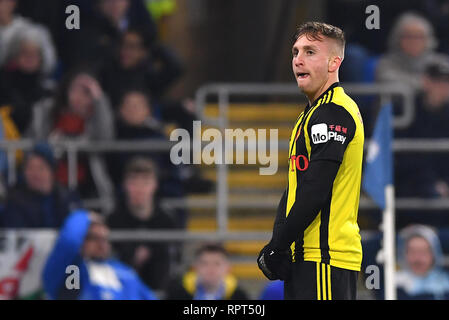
29 57
140 189
38 175
419 255
132 50
135 109
212 268
310 63
413 40
96 244
7 8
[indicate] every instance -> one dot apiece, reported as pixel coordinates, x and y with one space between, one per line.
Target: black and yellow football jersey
329 129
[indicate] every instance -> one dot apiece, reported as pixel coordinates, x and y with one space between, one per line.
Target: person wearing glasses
80 265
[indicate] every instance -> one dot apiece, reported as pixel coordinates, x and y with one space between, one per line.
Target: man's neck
314 95
212 288
143 212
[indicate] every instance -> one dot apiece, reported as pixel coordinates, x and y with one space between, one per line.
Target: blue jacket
105 280
25 208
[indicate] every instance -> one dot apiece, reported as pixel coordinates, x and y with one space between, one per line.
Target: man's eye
309 52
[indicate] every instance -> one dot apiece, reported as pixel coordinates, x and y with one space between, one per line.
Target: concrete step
251 178
257 112
254 223
247 270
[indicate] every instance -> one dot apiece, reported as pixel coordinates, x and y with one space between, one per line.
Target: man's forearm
280 216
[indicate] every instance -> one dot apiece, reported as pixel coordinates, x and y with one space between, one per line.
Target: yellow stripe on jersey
329 291
292 182
323 280
318 281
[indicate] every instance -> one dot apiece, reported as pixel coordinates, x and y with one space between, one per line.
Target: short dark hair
140 165
211 248
315 30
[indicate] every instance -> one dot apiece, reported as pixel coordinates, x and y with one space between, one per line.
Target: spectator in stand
98 40
23 82
84 242
80 111
412 46
136 121
150 67
431 118
12 26
140 63
39 202
421 276
139 209
210 279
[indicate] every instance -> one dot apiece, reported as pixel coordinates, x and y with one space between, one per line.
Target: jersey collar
335 84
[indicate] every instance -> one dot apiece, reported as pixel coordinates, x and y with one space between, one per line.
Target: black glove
275 264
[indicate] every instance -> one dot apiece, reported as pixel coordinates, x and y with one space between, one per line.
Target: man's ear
334 63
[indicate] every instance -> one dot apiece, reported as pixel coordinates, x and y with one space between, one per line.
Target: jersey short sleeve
330 129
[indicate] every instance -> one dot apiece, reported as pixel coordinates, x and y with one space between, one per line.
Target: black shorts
320 281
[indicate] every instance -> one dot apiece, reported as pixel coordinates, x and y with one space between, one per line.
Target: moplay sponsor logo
321 133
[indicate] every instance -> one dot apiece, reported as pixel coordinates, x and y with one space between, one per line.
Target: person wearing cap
421 275
38 201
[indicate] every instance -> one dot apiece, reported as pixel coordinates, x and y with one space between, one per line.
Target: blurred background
85 120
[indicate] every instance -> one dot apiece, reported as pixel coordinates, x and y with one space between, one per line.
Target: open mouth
302 75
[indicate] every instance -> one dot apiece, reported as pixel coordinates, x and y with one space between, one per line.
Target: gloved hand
275 264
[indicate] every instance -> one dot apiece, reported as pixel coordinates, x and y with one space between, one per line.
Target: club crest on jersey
321 133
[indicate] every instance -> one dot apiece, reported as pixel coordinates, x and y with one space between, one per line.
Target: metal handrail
384 90
123 235
399 146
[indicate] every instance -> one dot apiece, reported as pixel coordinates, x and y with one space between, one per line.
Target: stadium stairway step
283 130
245 248
258 200
247 270
250 178
257 111
255 223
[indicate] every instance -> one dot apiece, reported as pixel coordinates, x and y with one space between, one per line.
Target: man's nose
298 61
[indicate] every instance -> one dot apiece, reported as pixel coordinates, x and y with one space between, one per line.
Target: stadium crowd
110 81
414 52
104 82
